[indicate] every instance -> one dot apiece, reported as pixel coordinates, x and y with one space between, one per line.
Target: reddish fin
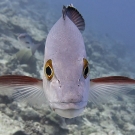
105 88
23 88
113 79
18 79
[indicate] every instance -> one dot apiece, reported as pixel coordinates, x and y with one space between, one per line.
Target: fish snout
73 97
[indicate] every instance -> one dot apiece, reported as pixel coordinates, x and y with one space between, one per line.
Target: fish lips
68 110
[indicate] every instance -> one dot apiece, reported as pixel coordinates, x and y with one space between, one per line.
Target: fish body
66 85
68 89
26 40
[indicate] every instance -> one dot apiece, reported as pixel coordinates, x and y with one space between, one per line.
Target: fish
66 86
27 41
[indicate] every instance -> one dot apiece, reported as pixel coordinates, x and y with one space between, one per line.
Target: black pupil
48 71
86 71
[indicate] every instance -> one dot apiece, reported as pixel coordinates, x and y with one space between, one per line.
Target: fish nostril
78 82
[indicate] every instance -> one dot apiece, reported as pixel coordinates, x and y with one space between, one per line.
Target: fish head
25 39
66 71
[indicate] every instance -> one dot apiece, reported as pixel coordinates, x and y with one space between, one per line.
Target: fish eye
48 70
85 68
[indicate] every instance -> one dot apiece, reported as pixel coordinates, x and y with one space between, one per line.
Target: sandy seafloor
117 117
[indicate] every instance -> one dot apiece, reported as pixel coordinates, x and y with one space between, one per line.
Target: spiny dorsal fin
74 15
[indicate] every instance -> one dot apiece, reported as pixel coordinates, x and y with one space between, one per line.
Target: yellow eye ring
85 68
48 70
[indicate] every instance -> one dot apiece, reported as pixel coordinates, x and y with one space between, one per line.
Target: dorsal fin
74 16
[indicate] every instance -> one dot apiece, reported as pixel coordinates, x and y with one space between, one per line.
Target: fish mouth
69 113
68 110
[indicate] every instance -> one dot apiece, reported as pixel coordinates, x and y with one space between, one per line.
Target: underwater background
110 45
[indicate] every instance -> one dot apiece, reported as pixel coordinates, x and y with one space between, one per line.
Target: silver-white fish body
68 89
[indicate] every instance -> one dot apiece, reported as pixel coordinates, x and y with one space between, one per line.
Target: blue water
115 18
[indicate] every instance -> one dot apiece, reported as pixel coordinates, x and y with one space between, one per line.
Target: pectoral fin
105 88
22 88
